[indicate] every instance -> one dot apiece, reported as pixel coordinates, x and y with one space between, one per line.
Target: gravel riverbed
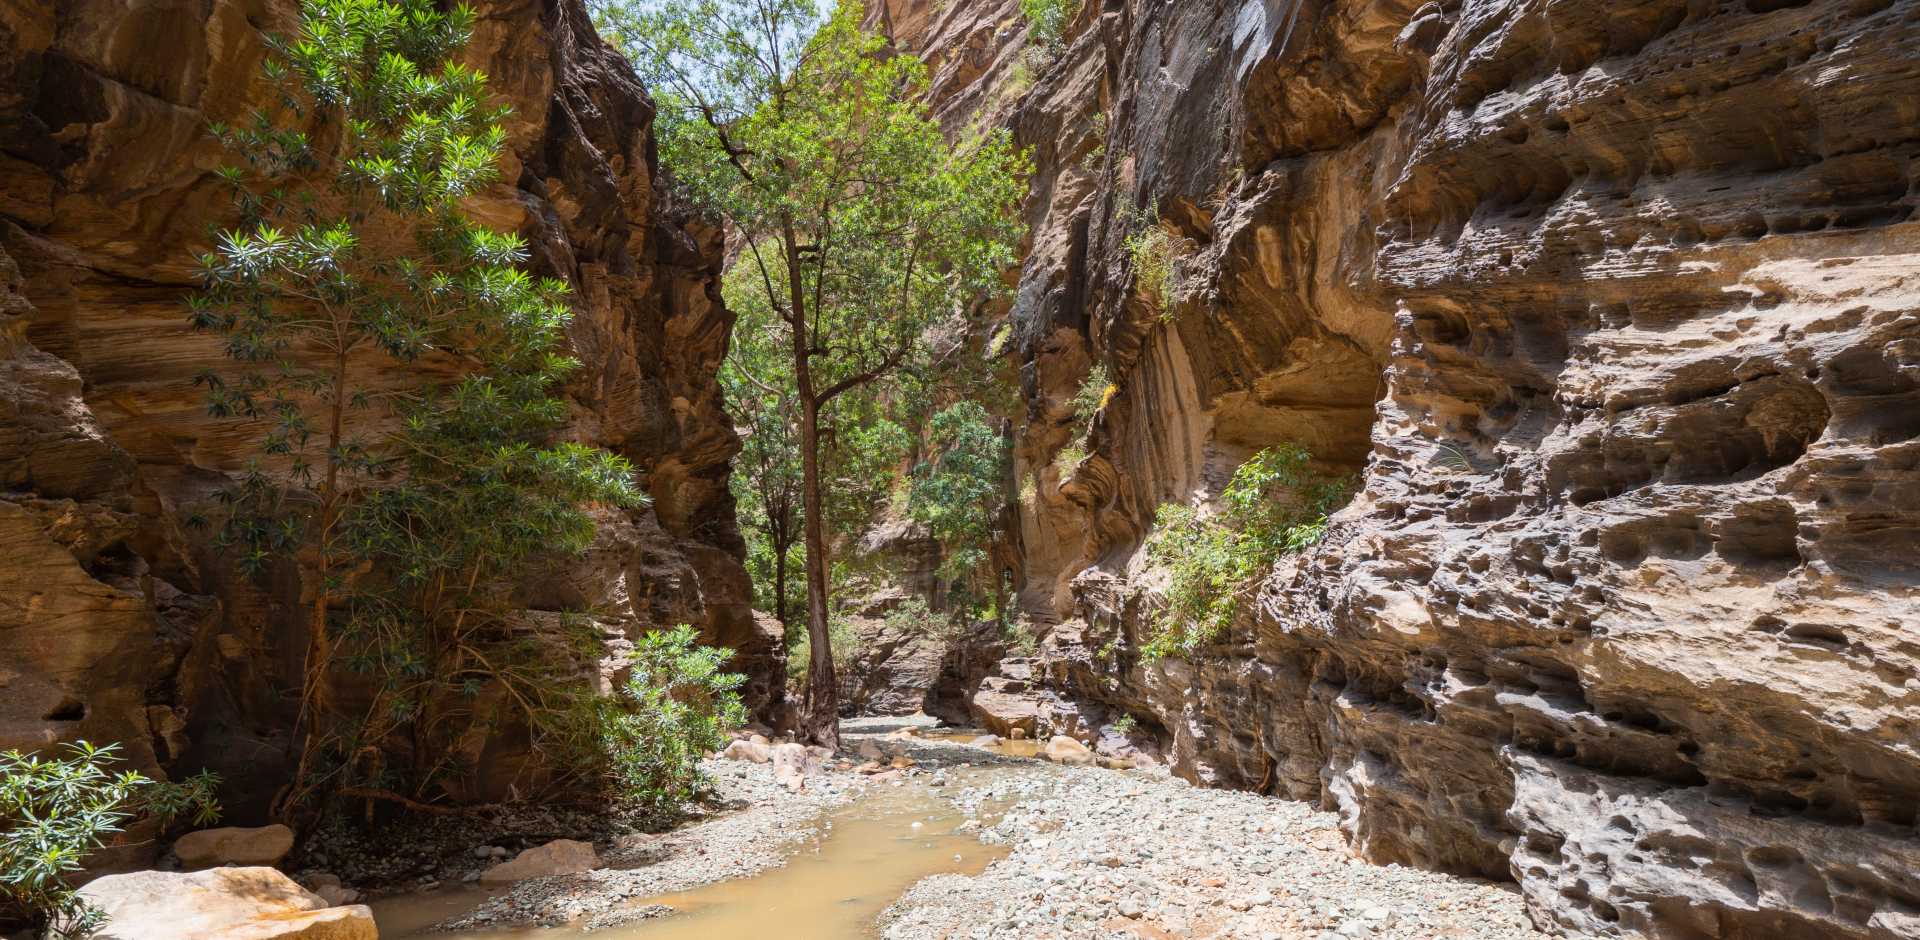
1117 854
1093 853
763 825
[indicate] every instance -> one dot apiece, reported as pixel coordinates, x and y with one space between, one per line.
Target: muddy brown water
834 888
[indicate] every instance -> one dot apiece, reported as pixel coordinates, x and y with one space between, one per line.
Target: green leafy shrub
1274 505
1068 460
910 615
677 705
958 494
56 810
1020 635
1047 19
1092 395
847 649
1125 724
1153 252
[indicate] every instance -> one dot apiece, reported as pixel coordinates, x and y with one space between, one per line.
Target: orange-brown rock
117 622
1613 310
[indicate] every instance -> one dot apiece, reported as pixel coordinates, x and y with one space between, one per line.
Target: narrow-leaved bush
56 809
678 704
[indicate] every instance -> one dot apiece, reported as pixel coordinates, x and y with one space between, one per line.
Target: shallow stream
834 888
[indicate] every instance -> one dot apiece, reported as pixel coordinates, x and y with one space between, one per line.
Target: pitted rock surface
1613 312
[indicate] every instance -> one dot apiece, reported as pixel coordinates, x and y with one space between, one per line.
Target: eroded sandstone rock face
116 620
1614 310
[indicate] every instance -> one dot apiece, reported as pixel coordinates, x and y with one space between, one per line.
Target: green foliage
1047 19
1020 635
909 616
766 478
1068 460
441 487
957 495
1154 252
1096 157
864 460
1092 395
1275 504
844 644
55 810
677 706
864 229
1125 724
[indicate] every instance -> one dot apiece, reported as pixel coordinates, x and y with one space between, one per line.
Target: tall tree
403 502
766 475
864 225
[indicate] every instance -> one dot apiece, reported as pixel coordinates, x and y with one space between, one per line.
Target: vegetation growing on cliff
419 502
1275 504
1047 19
863 227
1154 253
56 809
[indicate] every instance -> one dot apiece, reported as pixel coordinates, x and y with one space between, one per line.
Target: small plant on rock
1020 635
1276 504
1047 20
1092 395
1067 462
55 810
1154 253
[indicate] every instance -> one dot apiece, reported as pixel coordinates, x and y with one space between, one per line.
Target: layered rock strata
1614 311
117 621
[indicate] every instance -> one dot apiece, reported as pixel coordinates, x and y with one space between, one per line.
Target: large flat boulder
559 857
221 904
234 845
1064 750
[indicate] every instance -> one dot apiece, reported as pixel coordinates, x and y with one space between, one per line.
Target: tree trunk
820 718
821 722
780 547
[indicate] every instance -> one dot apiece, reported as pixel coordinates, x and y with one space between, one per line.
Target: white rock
253 903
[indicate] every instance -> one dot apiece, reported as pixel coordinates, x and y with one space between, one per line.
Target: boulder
221 904
559 857
327 885
1064 750
233 845
794 763
748 750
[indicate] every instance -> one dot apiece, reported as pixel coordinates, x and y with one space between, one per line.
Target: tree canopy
863 227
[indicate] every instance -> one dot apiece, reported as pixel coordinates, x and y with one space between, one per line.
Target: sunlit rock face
117 622
1614 309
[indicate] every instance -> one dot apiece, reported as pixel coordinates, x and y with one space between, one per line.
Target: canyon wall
1614 310
118 622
